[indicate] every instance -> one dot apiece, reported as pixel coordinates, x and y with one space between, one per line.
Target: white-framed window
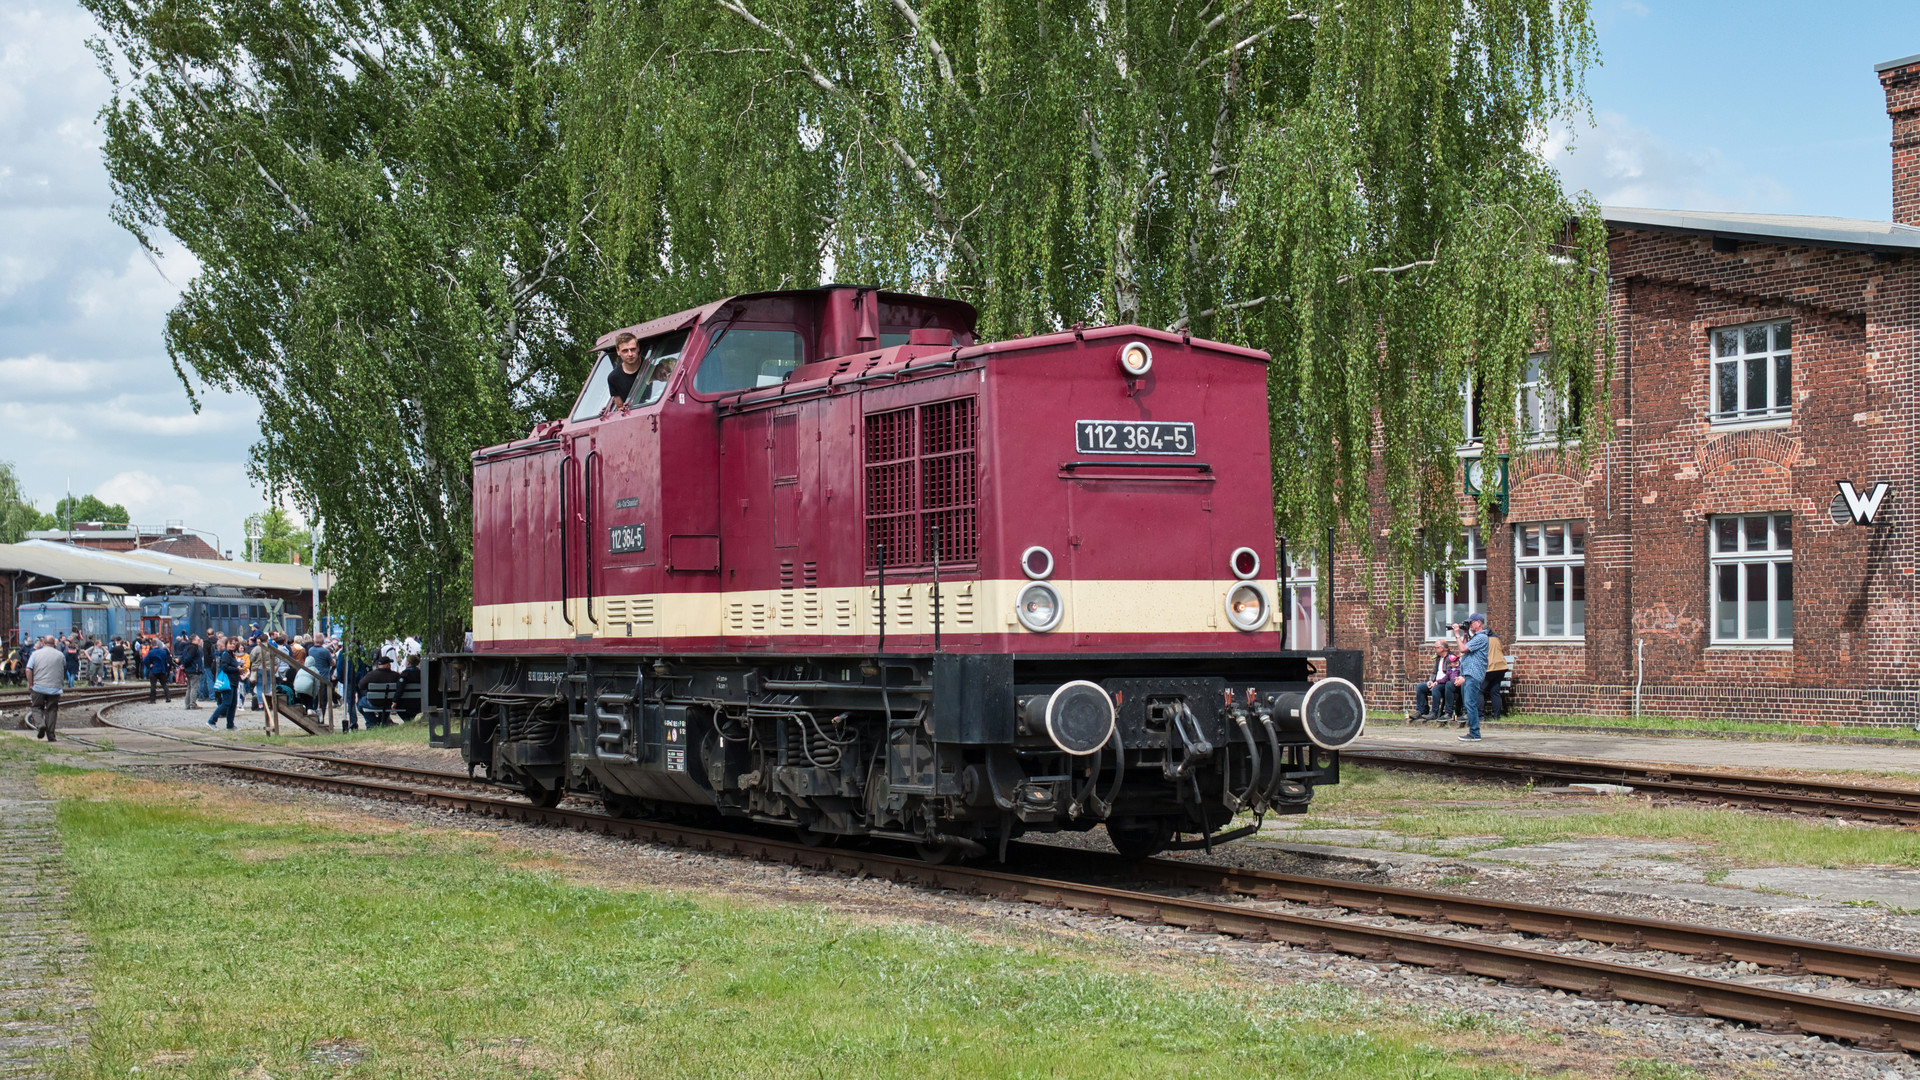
1451 598
1300 591
1537 407
1752 372
1751 559
1470 411
1550 580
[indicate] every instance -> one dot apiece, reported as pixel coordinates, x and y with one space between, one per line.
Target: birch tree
1353 185
375 195
411 215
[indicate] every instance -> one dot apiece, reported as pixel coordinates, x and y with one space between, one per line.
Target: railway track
15 697
1684 969
1860 801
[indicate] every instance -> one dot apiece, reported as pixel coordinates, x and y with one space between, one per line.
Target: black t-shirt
620 382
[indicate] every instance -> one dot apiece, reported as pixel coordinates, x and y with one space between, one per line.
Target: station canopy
148 572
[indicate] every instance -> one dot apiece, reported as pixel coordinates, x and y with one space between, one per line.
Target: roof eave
1732 231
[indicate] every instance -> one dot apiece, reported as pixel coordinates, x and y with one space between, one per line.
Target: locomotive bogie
953 752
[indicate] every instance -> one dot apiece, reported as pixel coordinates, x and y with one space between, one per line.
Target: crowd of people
310 670
1465 677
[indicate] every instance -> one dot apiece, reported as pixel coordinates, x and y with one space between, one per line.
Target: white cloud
237 415
88 396
1625 164
137 290
29 428
147 497
40 375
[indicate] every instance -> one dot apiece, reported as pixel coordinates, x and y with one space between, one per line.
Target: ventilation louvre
921 475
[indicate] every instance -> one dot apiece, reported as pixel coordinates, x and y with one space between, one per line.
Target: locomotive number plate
1132 437
624 538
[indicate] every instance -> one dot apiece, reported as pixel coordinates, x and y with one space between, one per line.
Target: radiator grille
921 475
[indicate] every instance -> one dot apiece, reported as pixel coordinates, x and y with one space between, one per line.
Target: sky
1749 105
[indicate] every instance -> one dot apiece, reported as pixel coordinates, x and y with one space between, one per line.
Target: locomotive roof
681 320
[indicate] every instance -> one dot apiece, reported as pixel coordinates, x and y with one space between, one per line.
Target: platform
1725 753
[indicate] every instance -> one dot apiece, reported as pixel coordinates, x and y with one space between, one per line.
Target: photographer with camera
1472 679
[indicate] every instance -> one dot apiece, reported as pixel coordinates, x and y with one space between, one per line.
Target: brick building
1709 550
113 536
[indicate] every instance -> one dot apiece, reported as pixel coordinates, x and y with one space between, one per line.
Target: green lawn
226 943
1434 808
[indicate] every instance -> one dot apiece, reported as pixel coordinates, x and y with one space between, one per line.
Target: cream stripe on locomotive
966 607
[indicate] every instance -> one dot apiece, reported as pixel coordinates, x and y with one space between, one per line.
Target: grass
1690 725
224 945
1436 809
1649 1069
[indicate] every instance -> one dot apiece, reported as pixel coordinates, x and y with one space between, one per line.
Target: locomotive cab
839 567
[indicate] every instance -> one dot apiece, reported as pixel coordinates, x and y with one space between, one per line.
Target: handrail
587 539
272 692
566 541
1198 466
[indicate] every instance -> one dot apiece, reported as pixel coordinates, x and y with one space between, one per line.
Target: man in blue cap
1473 672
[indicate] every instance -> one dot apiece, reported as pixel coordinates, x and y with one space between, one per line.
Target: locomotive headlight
1037 563
1247 606
1245 563
1039 607
1136 359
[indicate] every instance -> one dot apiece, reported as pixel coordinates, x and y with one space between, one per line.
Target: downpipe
1639 673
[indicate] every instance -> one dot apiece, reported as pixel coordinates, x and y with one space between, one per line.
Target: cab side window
658 357
741 359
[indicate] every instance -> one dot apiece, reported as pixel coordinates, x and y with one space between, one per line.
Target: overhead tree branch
819 78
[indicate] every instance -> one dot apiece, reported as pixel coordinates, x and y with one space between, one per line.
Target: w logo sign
1852 505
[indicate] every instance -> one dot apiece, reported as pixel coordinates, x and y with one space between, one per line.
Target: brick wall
1647 496
1902 85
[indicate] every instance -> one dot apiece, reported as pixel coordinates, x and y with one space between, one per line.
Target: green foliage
376 199
279 541
17 515
73 508
1351 186
410 213
416 954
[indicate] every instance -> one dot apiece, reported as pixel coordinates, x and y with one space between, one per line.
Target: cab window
658 355
741 359
594 397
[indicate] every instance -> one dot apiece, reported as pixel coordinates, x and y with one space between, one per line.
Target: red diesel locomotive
837 566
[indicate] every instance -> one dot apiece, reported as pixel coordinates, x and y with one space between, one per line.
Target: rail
1865 801
1430 929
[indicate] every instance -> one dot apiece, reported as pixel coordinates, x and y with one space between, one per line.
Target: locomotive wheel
544 797
938 854
814 839
1139 839
621 807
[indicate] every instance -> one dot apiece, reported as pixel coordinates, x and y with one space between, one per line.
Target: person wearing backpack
226 683
158 667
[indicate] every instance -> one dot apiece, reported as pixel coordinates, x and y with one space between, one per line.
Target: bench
383 699
1506 689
